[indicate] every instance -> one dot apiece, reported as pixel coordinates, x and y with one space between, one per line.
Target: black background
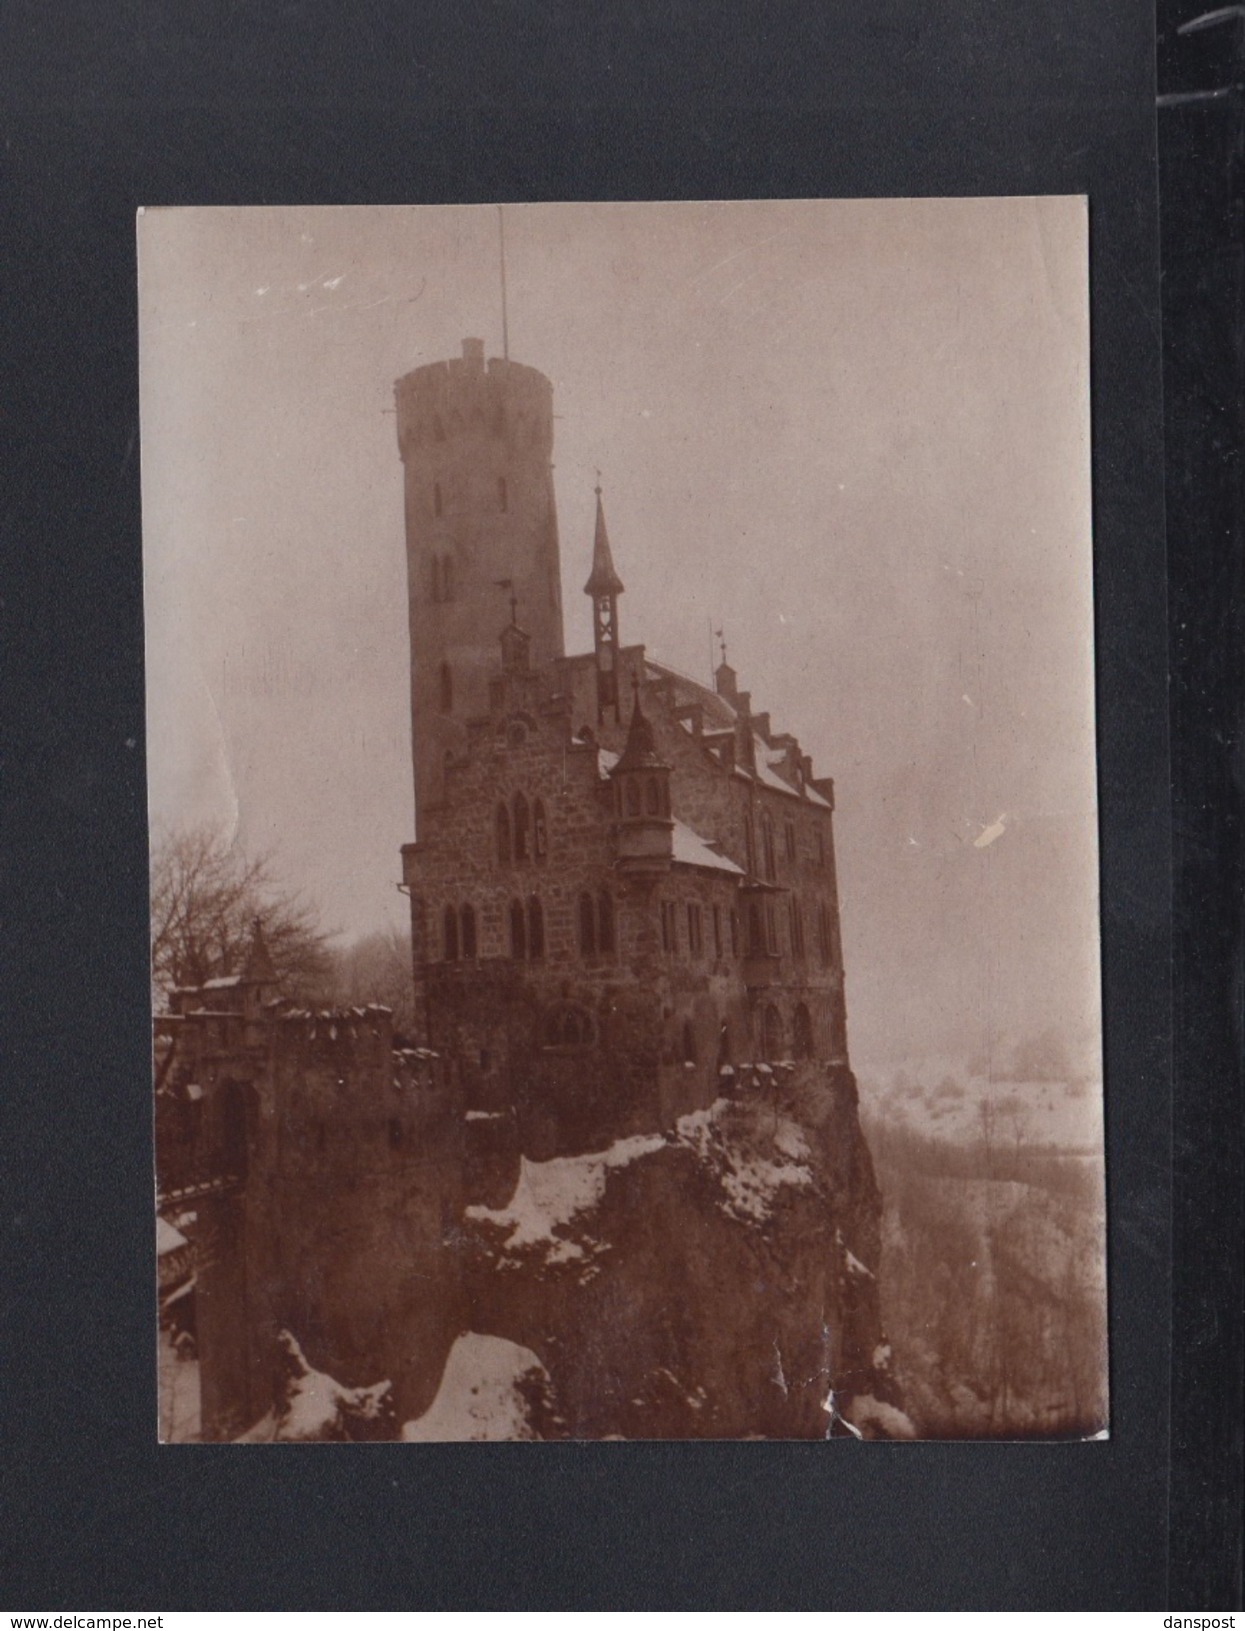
112 106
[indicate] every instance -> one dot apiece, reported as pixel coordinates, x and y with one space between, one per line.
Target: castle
623 886
623 910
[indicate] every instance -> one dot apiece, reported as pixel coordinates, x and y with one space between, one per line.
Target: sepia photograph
624 836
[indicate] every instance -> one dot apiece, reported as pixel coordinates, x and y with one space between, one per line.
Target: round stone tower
481 540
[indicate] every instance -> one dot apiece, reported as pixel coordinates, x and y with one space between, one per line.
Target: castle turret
603 588
476 440
642 801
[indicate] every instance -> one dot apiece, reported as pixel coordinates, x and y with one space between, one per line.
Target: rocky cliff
714 1281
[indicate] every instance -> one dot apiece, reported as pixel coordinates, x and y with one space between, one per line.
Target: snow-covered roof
222 983
168 1239
692 850
606 760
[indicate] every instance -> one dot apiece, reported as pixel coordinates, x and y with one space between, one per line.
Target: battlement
466 396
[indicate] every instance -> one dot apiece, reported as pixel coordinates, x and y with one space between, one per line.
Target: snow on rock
315 1408
551 1196
490 1391
874 1419
743 1158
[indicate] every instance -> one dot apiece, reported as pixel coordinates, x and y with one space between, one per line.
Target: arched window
436 497
803 1033
520 827
540 830
750 844
447 689
771 1032
468 921
503 834
756 930
652 796
502 497
535 928
767 839
450 921
689 1043
633 798
605 921
518 931
587 925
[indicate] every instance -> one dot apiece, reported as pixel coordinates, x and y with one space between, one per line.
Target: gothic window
750 845
771 1032
633 798
771 929
540 830
468 921
756 930
717 931
803 1033
450 921
535 928
503 834
734 934
605 921
447 689
502 503
569 1026
669 926
797 927
767 840
587 925
436 498
695 936
789 834
520 827
518 931
652 796
689 1043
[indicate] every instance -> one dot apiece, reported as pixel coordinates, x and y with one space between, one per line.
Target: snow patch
551 1195
875 1420
480 1399
747 1172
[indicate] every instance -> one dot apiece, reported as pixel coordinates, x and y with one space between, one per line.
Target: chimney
473 355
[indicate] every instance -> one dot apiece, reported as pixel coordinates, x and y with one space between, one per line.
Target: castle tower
481 527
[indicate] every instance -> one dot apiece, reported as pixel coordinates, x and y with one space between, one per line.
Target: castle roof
603 579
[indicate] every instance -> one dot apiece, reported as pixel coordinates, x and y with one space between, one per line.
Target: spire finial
722 642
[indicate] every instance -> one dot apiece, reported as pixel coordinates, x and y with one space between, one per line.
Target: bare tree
206 896
378 968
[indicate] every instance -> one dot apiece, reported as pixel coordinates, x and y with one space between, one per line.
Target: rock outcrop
714 1281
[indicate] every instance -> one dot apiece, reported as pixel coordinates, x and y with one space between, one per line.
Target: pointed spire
259 964
640 752
604 580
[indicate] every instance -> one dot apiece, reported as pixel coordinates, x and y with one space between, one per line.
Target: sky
852 434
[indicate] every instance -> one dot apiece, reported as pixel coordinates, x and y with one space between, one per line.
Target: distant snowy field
938 1098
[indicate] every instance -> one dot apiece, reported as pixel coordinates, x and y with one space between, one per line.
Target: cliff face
714 1281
